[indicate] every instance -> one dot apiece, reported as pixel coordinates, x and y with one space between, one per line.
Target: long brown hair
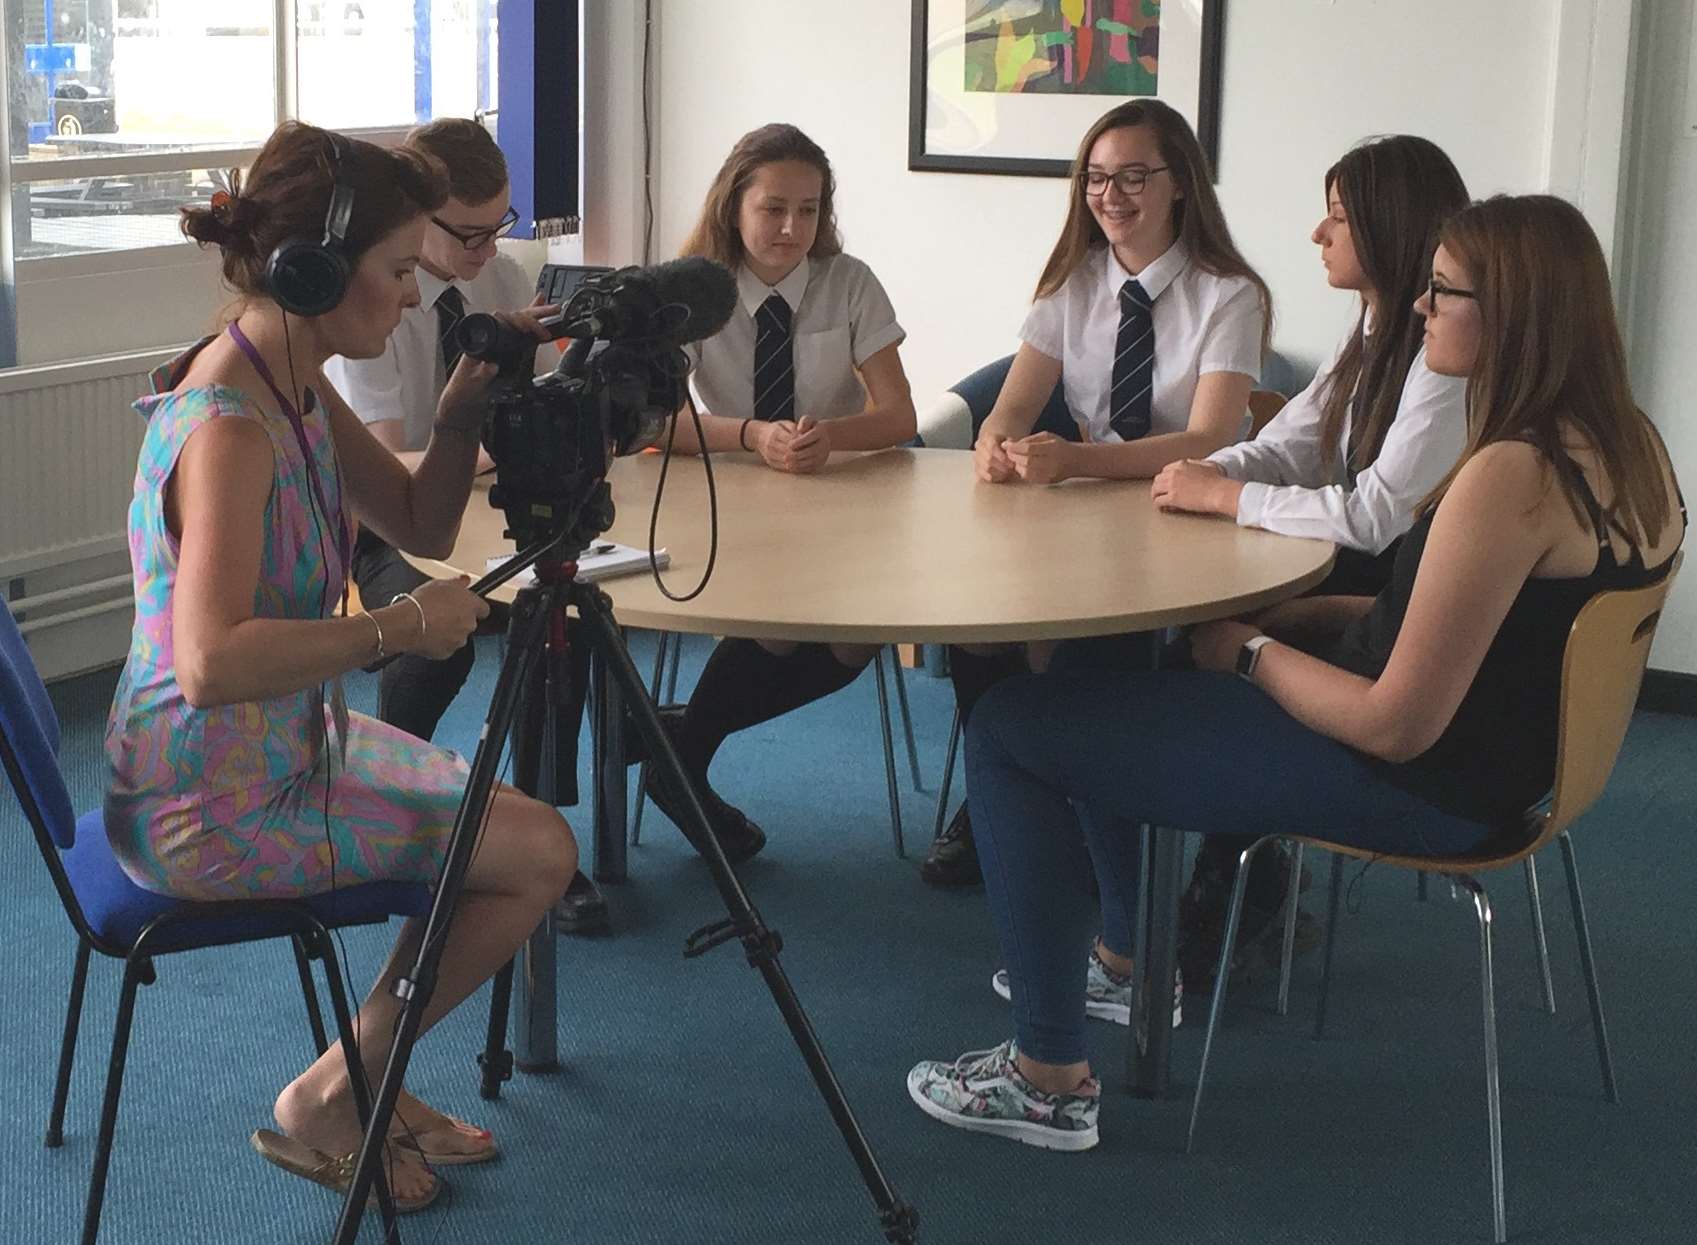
1550 354
1396 192
286 194
1197 219
715 235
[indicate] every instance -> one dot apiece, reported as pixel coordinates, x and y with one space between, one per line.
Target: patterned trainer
983 1091
1107 995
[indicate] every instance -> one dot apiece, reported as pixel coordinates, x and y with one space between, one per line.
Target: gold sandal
427 1142
333 1171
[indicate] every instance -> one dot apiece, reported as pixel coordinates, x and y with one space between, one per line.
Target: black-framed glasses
1128 181
1435 287
473 239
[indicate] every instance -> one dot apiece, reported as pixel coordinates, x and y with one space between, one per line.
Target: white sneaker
984 1092
1107 996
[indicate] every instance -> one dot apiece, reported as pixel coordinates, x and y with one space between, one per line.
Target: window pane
102 77
97 78
414 60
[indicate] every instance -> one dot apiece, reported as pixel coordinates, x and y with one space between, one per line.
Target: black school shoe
952 859
582 909
1260 933
739 837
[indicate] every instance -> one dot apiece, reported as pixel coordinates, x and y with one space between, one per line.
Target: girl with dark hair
1349 457
1425 720
236 770
809 364
1347 460
1148 326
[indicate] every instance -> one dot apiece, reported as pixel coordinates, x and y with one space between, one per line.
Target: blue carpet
683 1113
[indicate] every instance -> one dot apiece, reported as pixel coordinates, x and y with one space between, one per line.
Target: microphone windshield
705 290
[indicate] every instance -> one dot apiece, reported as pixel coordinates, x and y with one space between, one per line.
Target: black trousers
414 692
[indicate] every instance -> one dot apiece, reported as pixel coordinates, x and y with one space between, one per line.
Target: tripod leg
530 617
760 943
496 1061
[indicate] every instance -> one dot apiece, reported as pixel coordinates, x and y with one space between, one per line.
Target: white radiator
68 444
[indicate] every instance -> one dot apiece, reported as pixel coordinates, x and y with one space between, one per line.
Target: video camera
553 436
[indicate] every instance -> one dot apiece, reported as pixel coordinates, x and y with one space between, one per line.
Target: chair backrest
30 743
1263 405
1602 669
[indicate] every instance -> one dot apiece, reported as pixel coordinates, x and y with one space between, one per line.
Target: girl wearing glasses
808 364
1347 460
1148 323
1423 723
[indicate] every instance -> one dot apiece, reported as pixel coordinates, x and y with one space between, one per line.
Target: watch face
1246 661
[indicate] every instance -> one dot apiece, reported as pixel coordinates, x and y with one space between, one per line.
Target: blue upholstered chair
114 916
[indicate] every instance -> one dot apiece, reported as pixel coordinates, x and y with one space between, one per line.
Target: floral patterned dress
262 799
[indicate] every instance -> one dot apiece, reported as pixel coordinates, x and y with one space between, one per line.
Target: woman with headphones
236 770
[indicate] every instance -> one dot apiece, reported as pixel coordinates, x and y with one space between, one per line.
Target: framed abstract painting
1010 86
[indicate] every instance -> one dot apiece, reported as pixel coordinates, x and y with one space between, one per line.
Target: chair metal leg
314 1019
1589 963
907 717
672 673
325 951
137 973
642 772
68 1046
1221 974
1287 951
1537 905
889 758
1493 1095
496 1060
948 776
1335 903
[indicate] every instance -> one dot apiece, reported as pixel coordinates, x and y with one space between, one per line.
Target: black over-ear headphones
309 276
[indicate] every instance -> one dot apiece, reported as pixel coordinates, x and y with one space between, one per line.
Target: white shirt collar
1155 277
430 287
753 291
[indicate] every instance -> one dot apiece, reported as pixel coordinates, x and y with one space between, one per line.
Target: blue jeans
1182 749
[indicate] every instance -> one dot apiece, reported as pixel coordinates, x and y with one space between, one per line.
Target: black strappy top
1496 758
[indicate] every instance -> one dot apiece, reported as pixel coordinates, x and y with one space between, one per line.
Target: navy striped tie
1134 364
450 310
774 367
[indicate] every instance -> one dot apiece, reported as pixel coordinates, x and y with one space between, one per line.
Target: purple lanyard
343 551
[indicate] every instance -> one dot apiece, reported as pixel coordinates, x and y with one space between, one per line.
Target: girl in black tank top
1497 756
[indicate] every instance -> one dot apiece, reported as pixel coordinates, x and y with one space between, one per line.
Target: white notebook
602 560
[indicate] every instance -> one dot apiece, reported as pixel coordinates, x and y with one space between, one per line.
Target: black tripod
537 633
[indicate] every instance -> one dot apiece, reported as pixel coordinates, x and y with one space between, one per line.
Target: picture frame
1038 86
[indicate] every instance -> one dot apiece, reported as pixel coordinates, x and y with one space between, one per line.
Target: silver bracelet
423 627
375 626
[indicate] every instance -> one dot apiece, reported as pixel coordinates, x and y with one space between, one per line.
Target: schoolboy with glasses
459 271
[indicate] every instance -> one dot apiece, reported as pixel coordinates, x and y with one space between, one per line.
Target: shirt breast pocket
827 385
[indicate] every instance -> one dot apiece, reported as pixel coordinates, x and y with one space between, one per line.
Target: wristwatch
1250 654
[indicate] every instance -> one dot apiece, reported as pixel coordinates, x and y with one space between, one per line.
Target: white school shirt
405 381
1294 490
1203 323
839 318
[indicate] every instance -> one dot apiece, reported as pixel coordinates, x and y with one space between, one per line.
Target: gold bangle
375 626
423 626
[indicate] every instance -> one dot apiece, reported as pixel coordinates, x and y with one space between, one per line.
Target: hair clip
222 201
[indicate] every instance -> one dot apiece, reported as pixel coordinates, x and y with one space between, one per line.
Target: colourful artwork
1072 47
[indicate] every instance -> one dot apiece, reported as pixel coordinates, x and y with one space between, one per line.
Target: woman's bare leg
523 864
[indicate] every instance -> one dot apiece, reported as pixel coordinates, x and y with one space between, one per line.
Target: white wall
1662 264
1304 79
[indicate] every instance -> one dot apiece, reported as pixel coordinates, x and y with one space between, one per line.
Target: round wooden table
907 546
